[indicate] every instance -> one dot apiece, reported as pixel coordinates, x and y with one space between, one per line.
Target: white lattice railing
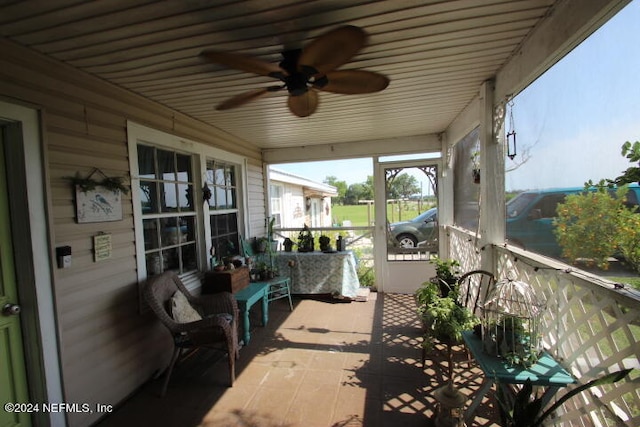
591 326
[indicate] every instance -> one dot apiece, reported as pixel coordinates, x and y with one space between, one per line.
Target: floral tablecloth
321 273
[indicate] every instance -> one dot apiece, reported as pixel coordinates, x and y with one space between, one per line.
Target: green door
13 380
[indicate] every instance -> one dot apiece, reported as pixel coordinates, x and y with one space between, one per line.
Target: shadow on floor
326 365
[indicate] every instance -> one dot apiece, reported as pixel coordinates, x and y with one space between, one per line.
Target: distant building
295 200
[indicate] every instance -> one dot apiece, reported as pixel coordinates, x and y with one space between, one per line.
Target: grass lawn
358 216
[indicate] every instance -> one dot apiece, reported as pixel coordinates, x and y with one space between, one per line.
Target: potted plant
325 243
447 274
305 240
288 244
526 410
475 166
261 244
273 243
444 320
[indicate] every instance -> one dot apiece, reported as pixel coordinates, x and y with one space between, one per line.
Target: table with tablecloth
320 272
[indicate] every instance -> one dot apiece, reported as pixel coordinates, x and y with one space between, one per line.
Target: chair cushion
181 310
226 317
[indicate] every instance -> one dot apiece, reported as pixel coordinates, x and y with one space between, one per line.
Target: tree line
403 186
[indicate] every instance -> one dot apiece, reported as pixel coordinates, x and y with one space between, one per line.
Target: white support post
445 195
492 180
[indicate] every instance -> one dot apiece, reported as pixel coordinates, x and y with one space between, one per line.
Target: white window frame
276 205
213 210
139 134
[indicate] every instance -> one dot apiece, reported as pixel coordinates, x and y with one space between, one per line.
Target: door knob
11 309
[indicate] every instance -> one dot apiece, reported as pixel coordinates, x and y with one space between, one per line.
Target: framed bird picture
99 204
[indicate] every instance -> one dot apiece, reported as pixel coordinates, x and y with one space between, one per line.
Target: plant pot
261 246
288 244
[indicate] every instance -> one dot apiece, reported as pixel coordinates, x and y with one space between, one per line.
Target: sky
574 118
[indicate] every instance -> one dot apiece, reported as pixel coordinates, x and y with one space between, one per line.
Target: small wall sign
98 205
102 247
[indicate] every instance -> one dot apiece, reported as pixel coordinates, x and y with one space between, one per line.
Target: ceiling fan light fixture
309 68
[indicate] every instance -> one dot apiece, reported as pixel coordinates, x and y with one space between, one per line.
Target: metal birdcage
511 315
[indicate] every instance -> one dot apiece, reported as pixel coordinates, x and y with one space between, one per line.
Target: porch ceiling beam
467 120
568 24
427 143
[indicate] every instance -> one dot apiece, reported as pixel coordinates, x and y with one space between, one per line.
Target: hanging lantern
511 317
450 408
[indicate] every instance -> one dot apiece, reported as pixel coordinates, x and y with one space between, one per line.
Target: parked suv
420 231
530 217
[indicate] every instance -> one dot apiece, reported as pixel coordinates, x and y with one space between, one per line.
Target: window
175 228
276 192
168 213
223 208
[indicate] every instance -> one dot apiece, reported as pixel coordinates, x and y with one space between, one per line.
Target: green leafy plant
443 318
526 411
89 184
305 240
588 224
629 238
632 174
447 274
426 294
366 276
446 320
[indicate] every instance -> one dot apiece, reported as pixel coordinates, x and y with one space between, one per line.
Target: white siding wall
257 211
293 206
108 348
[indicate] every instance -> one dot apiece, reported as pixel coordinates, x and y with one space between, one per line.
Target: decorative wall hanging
102 248
98 200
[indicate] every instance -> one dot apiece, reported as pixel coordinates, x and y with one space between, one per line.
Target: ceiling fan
303 72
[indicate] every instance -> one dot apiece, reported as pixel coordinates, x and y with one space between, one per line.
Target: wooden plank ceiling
436 54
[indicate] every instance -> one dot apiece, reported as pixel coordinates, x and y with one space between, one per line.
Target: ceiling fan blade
332 49
244 98
303 105
353 82
244 63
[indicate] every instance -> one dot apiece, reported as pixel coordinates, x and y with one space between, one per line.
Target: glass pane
467 191
221 224
169 231
171 259
151 237
187 229
219 175
210 173
148 197
412 218
189 261
169 197
154 263
184 168
185 200
221 198
229 177
146 164
231 203
166 170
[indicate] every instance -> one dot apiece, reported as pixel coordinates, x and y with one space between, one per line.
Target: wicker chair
213 331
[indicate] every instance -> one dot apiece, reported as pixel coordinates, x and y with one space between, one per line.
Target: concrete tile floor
324 364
